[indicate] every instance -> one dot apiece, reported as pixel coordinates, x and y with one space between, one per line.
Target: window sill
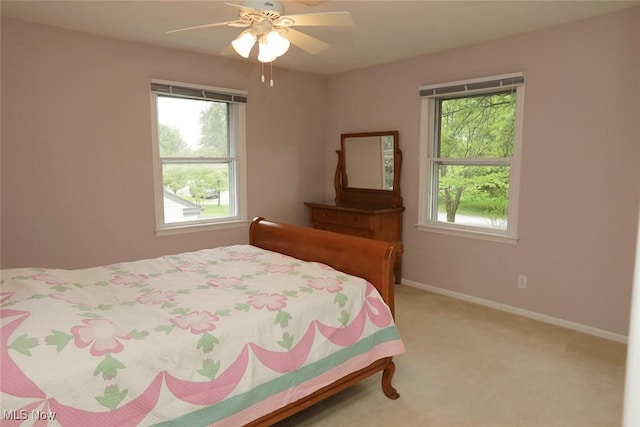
195 228
468 232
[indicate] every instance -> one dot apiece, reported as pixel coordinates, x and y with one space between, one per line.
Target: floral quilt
215 337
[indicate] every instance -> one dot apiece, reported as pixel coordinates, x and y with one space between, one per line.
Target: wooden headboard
370 259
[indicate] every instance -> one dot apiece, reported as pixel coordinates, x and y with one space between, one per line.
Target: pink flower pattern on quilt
273 302
129 279
197 321
192 266
48 279
157 297
103 335
279 268
226 282
241 256
330 284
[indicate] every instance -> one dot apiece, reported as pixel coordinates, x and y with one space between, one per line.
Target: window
470 150
199 144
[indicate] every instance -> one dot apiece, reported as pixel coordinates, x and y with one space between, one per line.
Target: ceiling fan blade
217 24
244 8
305 42
329 19
311 3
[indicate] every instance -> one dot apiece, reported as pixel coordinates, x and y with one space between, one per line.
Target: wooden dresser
368 199
379 223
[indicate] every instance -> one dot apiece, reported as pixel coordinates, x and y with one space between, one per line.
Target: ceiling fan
266 24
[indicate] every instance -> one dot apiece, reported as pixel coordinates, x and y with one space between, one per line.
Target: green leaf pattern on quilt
59 339
111 397
23 344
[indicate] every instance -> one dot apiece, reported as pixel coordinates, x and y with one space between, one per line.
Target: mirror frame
367 196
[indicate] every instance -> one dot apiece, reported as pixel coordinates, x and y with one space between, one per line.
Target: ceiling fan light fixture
278 43
271 46
244 43
265 52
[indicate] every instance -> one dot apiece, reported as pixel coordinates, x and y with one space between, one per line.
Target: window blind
470 86
204 94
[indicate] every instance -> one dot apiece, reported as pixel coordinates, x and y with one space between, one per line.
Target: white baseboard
520 312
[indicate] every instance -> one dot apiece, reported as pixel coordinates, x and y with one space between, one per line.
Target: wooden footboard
370 259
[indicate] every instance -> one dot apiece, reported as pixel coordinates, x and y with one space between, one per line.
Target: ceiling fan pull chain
271 73
262 63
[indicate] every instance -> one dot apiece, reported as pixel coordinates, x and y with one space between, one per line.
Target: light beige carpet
468 365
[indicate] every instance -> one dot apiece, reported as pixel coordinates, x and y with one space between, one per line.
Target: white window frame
237 135
430 95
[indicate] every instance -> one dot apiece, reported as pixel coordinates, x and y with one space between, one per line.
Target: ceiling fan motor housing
270 8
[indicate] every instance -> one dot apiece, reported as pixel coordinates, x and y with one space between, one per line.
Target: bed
237 335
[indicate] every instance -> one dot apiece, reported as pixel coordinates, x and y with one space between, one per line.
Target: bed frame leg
387 376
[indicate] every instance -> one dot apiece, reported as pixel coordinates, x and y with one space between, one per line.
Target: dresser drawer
355 220
336 228
325 215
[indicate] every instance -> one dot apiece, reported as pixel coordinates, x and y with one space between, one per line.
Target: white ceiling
385 31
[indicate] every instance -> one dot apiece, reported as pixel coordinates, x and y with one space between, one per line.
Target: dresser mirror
368 168
368 161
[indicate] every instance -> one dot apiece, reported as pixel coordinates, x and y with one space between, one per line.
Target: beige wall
580 180
77 181
76 156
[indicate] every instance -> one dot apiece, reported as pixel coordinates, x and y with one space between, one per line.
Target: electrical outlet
522 281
